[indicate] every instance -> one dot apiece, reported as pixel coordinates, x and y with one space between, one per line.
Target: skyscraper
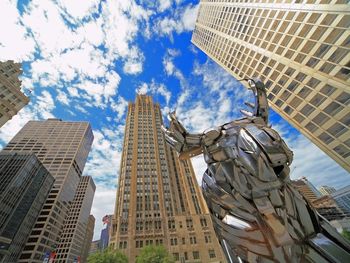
104 237
72 240
158 199
342 197
307 189
24 185
88 238
300 50
327 190
11 98
63 148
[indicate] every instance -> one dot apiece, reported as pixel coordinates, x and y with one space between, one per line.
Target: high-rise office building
299 49
104 237
329 209
24 185
88 239
342 197
63 148
11 98
94 247
306 188
158 199
71 244
326 190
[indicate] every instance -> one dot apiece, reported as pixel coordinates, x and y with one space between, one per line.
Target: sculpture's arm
261 107
188 145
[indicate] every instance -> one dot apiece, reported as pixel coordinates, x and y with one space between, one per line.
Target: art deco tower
300 49
63 148
158 198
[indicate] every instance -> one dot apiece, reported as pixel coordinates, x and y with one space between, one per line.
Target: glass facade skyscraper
24 185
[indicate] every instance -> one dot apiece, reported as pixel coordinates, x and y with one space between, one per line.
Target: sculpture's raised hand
188 145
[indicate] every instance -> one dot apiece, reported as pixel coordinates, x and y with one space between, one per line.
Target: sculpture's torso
248 179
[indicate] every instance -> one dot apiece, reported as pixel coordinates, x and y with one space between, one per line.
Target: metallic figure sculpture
257 214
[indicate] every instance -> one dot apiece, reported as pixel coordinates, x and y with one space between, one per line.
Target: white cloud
163 5
120 106
181 21
15 41
69 53
189 17
155 89
79 9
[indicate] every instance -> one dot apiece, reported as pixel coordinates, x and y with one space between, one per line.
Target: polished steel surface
257 214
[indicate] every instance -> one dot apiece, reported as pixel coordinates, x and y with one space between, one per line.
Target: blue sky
85 60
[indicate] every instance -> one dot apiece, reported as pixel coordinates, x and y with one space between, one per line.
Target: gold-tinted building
63 148
158 199
300 49
306 189
11 98
76 225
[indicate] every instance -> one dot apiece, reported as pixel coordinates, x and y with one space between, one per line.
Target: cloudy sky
84 60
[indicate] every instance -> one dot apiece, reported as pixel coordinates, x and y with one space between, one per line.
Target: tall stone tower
12 98
63 148
299 49
158 199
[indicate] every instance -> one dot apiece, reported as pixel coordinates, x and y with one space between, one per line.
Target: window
212 253
326 138
207 239
195 254
203 222
337 130
342 151
176 256
193 240
327 90
311 127
307 110
333 108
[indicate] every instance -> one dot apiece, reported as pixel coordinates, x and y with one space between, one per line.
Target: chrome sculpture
257 214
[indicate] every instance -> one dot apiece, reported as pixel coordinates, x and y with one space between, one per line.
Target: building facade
24 185
326 190
88 239
95 247
329 209
306 188
342 197
63 148
158 199
76 226
104 237
300 50
12 99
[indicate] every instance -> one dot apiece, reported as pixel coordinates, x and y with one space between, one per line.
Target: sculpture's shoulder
271 143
